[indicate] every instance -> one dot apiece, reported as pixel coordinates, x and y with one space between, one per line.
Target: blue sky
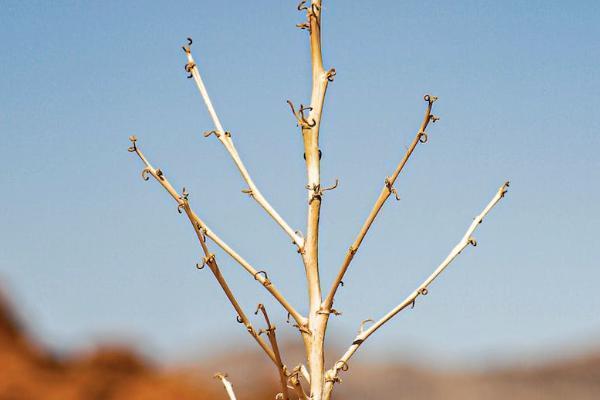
90 251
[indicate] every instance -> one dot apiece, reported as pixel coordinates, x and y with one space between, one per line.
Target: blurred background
100 294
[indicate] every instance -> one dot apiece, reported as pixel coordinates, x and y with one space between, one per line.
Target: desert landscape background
102 296
31 371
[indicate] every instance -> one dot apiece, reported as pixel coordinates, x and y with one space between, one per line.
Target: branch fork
225 138
203 231
313 327
422 289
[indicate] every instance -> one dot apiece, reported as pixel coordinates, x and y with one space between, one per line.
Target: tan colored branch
228 386
386 191
342 363
259 276
225 138
210 260
310 126
304 373
296 385
273 340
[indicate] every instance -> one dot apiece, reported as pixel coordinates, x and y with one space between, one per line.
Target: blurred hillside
29 372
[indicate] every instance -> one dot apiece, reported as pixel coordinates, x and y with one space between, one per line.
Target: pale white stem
259 276
229 146
305 373
228 386
467 239
317 320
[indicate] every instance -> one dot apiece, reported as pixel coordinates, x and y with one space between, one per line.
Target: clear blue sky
88 250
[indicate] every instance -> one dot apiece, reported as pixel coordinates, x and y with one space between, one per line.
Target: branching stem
227 141
320 381
467 239
317 322
198 223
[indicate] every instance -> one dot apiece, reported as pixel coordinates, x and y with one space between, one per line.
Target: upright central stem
317 321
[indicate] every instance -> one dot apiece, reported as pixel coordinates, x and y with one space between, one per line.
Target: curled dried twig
318 191
301 118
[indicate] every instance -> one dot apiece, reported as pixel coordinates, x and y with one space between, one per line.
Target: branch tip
187 49
504 188
430 99
133 147
228 386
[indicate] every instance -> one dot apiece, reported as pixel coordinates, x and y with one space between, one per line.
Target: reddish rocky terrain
29 372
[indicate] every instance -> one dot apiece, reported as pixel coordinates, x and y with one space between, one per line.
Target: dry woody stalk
313 381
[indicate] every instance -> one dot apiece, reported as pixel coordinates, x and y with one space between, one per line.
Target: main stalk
317 318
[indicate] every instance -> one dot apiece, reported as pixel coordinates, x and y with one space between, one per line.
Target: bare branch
260 276
467 239
318 382
273 340
310 126
211 261
183 203
225 138
228 386
386 191
296 386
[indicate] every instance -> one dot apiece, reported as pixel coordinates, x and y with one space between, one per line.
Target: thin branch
211 261
305 373
342 363
228 386
273 340
259 276
296 386
386 191
225 138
